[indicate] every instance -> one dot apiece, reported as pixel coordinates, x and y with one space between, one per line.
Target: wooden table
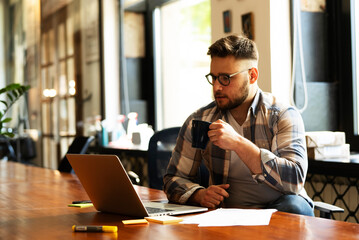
33 205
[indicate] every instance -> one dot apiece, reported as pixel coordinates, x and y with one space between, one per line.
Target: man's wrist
195 197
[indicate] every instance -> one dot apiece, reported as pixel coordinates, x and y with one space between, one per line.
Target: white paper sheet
231 217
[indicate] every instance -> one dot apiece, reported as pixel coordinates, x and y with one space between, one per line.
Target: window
345 35
182 37
355 63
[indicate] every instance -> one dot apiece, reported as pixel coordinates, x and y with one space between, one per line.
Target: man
256 156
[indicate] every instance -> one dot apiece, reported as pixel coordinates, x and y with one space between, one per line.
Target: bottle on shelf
118 130
132 123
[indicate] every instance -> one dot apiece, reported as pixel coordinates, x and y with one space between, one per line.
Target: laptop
110 189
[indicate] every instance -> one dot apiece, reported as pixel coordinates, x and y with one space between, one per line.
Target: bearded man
256 156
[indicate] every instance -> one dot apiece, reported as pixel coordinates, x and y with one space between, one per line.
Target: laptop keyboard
157 210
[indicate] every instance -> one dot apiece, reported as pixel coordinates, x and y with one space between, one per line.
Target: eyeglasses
223 79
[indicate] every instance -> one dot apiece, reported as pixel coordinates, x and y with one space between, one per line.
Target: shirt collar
254 105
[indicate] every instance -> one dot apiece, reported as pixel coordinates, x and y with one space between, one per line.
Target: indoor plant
12 93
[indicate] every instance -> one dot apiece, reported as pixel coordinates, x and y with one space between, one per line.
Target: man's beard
235 102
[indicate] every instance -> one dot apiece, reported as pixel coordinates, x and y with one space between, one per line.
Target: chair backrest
6 149
79 145
159 153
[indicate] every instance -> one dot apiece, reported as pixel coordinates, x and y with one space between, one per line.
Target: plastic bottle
132 123
118 130
104 132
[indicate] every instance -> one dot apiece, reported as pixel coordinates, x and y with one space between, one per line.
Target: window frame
342 32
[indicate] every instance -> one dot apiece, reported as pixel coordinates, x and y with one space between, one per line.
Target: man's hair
238 46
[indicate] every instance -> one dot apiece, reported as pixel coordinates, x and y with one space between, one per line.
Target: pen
77 228
82 201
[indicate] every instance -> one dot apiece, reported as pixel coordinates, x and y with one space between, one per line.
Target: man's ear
253 75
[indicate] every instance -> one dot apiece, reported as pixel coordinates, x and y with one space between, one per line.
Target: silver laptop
110 189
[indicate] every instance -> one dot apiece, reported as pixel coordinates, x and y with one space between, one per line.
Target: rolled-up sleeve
182 170
285 165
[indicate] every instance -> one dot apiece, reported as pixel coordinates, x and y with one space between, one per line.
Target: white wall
111 60
271 20
280 49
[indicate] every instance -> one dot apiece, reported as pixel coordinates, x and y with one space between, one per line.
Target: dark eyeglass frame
223 77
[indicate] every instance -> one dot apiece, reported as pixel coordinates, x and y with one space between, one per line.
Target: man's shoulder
206 112
271 111
271 103
209 107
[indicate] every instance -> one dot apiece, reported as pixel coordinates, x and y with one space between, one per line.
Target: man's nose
217 86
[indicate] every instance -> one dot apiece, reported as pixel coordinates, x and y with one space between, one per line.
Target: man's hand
223 135
210 197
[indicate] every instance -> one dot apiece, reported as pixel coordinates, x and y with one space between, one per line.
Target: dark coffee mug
200 134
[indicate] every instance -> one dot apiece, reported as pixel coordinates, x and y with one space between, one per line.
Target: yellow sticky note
164 219
81 205
134 221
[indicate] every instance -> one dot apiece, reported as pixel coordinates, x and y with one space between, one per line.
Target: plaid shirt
276 129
